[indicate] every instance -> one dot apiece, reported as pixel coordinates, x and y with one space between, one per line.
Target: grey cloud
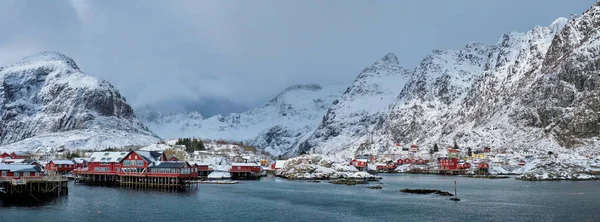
247 51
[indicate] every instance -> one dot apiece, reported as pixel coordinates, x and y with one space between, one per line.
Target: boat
455 198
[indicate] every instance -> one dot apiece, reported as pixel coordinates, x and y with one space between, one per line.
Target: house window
140 163
37 174
3 173
17 174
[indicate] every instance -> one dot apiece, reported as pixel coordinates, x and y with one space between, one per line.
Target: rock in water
426 191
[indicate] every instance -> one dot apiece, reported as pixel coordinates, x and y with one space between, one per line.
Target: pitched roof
30 161
168 164
63 161
245 164
20 167
107 157
149 156
21 153
81 160
198 163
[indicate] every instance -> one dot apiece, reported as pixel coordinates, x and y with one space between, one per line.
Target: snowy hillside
476 103
275 126
48 101
359 109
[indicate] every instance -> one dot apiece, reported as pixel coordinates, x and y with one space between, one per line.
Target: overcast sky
245 52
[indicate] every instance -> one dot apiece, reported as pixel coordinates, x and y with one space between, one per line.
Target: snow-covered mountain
532 90
276 126
472 96
48 101
352 116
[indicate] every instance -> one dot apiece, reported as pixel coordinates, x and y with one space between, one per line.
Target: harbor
277 199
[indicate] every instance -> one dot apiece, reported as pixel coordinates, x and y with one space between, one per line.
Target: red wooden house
245 167
135 163
386 167
482 168
5 155
20 155
420 161
245 171
19 171
81 162
360 164
414 148
448 164
464 166
106 163
408 161
487 150
399 162
483 165
178 169
62 166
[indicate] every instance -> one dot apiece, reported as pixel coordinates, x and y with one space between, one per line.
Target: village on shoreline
177 164
191 159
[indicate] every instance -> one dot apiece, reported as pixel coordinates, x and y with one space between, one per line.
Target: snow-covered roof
107 157
63 161
168 164
198 163
20 167
280 164
81 160
149 156
245 164
13 160
362 160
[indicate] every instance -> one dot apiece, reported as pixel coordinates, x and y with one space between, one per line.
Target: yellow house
478 156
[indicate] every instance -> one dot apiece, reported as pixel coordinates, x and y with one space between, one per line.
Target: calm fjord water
275 199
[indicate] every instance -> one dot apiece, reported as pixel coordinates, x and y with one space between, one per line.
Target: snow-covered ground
319 167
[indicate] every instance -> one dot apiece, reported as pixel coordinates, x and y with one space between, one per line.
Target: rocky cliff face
566 94
482 106
47 94
352 117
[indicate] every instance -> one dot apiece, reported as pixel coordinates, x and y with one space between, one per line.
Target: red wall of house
63 167
448 164
21 174
112 168
255 169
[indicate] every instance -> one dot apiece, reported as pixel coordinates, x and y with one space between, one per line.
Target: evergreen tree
456 146
435 148
469 152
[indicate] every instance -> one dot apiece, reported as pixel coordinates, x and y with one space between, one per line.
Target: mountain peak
390 58
49 56
558 24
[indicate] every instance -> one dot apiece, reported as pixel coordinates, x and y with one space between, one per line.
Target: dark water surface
275 199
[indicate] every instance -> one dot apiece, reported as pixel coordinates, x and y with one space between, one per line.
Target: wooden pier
42 187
